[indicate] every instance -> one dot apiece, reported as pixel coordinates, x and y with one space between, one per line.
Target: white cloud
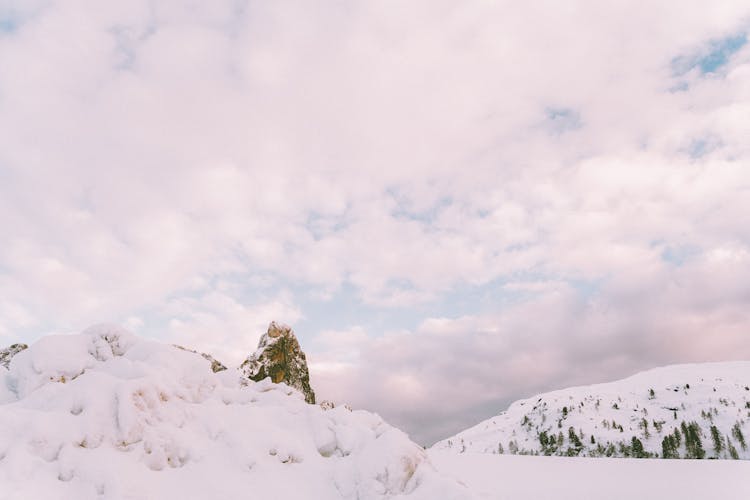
216 323
450 373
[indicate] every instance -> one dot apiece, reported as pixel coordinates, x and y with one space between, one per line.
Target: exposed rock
280 357
330 405
216 365
7 354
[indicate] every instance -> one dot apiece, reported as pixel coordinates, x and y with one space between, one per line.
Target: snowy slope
107 415
617 418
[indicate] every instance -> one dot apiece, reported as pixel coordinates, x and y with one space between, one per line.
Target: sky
454 204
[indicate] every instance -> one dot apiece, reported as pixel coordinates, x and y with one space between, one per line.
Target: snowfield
681 411
107 415
508 477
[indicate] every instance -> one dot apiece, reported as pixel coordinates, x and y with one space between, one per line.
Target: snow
107 415
500 477
710 394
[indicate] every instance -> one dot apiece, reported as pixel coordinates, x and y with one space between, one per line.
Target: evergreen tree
636 448
543 439
575 443
512 447
732 450
669 447
717 439
737 433
644 425
693 443
625 450
677 438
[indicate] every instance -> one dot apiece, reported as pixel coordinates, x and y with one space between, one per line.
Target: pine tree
737 433
693 443
677 438
732 450
717 439
512 447
543 439
644 425
636 447
625 450
575 443
669 447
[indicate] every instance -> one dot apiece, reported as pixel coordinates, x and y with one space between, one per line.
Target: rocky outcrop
280 358
327 405
7 354
330 405
216 365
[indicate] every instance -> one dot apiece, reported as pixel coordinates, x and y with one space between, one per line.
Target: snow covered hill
681 411
107 415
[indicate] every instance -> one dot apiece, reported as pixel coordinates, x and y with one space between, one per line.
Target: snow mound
679 411
106 414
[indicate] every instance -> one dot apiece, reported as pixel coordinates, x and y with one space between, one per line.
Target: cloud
449 373
494 187
215 322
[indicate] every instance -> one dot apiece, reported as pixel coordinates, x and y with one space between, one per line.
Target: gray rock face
280 357
7 354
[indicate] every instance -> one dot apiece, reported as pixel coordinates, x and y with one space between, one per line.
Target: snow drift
108 415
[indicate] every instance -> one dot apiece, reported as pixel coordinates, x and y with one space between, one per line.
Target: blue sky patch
405 207
7 24
561 120
702 146
711 57
678 255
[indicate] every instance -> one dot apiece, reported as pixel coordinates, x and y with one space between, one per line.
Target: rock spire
280 357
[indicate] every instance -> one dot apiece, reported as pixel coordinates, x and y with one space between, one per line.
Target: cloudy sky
455 204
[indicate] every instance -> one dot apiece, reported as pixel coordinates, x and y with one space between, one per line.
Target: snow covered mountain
106 414
680 411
